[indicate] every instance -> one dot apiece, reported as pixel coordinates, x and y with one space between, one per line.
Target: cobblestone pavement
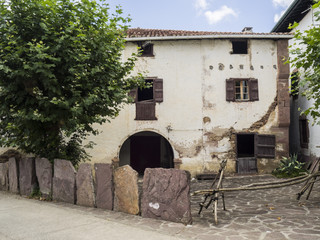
262 214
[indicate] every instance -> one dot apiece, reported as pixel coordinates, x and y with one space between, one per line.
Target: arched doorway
146 150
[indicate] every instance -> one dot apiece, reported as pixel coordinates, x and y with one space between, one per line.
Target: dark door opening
245 145
146 150
246 160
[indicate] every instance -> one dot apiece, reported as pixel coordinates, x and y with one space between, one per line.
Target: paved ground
269 214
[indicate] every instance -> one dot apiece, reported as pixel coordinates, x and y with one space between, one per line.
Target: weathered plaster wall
195 117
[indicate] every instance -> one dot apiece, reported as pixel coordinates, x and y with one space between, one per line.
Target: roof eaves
279 25
214 36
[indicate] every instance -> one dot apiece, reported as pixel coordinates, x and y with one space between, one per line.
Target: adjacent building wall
313 149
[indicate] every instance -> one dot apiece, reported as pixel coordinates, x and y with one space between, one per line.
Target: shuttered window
251 146
265 146
242 89
146 99
304 132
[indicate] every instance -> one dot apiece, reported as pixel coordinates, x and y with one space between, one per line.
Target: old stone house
304 137
214 96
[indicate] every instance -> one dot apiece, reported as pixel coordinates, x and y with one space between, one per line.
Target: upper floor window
146 99
239 46
146 49
242 89
146 94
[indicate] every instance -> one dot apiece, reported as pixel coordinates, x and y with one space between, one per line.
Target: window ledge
154 119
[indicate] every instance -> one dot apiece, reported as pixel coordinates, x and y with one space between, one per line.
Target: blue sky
203 15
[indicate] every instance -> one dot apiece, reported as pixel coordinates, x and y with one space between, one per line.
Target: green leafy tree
60 72
305 56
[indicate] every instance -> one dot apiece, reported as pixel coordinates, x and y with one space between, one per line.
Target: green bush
289 167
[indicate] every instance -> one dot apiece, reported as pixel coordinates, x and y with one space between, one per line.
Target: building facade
213 96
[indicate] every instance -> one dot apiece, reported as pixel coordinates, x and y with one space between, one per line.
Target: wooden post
216 197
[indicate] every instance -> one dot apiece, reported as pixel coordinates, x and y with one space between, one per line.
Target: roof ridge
145 32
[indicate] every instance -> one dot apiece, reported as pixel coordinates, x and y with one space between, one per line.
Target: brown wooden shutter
158 90
253 89
230 90
133 93
146 110
265 146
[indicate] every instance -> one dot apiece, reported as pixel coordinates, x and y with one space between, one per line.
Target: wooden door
247 165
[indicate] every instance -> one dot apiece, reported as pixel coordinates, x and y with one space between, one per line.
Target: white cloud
277 17
216 16
282 3
201 4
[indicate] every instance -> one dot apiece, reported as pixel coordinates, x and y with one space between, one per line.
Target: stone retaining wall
165 193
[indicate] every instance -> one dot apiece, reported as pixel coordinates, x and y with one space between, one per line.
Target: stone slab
44 176
126 194
104 185
4 181
166 195
27 176
64 169
13 175
64 182
85 188
63 190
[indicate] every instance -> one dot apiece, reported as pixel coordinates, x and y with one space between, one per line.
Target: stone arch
146 149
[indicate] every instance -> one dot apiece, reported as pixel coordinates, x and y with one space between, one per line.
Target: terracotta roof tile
141 32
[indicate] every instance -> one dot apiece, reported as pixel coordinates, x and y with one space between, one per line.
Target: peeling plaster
261 122
188 151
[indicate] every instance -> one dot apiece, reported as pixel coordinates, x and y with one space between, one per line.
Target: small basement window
239 46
